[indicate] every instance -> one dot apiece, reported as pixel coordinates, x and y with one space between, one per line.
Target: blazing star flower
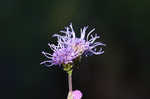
61 55
82 44
71 47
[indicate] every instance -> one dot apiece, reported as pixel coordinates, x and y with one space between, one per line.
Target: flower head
86 42
70 47
61 55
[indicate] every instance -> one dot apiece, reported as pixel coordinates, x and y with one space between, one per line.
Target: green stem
68 69
70 81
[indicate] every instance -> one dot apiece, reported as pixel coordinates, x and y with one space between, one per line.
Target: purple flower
70 47
61 55
76 94
82 44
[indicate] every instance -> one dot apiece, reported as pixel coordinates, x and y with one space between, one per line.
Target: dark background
123 72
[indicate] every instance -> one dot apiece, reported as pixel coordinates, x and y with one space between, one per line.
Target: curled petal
56 35
83 32
72 30
47 55
53 47
89 34
47 63
97 44
59 37
93 38
97 52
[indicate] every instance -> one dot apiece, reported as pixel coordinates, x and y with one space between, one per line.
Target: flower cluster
70 47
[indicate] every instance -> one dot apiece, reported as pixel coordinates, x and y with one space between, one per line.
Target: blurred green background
123 72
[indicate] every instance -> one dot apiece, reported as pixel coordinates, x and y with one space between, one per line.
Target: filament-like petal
83 32
47 63
90 33
47 55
